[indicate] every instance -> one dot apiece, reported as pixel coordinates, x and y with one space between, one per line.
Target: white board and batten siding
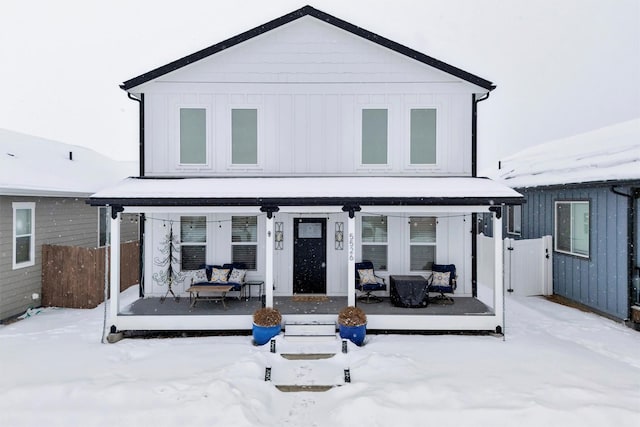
309 82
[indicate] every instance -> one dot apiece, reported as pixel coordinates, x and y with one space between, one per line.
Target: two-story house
298 148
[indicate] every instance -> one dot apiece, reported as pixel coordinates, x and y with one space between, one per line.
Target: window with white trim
193 242
244 241
572 227
514 219
375 241
422 240
104 226
244 136
193 136
23 234
423 136
374 136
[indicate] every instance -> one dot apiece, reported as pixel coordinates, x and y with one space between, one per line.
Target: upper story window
23 234
514 219
244 136
193 242
374 136
193 136
423 136
422 238
572 227
375 241
244 241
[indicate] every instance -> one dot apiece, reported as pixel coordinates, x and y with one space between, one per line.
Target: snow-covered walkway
557 367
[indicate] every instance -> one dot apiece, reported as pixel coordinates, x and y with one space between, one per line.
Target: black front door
309 256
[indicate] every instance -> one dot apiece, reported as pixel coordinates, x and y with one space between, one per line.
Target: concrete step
307 356
310 328
307 388
306 374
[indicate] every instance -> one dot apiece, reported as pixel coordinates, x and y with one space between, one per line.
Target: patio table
212 293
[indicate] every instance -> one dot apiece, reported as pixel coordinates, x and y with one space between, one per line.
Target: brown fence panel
73 276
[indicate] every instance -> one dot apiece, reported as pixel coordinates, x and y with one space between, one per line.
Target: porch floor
287 305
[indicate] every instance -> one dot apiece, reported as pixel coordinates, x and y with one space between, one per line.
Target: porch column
114 279
268 270
351 264
498 287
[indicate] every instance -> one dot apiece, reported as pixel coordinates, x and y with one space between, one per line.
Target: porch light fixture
339 235
279 236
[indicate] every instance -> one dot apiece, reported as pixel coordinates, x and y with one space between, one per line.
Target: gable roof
34 166
610 153
325 17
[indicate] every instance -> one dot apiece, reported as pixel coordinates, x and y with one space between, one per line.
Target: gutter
474 174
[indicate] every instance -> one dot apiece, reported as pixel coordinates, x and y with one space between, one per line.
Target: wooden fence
73 276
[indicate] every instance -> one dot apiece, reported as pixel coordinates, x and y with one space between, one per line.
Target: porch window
193 242
374 241
23 234
422 238
514 219
193 136
423 136
104 225
374 136
572 227
244 136
244 241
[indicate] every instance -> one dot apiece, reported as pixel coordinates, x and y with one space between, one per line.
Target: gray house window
572 227
423 136
104 226
193 136
374 136
193 242
514 219
23 234
244 136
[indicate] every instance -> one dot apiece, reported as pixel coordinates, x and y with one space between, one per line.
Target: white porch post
498 265
351 264
114 279
268 279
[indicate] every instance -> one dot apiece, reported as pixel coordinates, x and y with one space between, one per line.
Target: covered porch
453 202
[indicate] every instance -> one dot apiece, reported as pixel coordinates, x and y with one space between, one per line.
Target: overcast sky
561 66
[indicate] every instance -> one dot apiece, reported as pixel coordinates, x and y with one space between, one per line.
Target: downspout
474 173
141 218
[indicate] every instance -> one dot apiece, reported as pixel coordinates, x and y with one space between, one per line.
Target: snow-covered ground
557 367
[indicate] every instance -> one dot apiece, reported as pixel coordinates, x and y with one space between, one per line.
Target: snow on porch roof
301 191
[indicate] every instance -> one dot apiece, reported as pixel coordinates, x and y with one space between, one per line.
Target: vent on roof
70 155
11 155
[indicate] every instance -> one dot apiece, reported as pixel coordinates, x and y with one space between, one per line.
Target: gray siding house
43 186
585 192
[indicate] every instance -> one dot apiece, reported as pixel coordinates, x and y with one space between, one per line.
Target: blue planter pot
262 334
355 334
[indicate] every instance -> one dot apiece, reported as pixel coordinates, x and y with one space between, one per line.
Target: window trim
555 228
32 244
251 243
208 126
359 149
385 243
510 212
205 244
434 244
440 148
259 145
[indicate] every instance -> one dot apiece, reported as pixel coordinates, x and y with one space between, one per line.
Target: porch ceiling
307 191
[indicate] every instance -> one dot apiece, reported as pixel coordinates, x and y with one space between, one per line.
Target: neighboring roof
33 166
608 154
325 17
303 191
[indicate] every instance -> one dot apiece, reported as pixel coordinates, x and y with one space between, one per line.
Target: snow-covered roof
611 153
34 166
306 190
